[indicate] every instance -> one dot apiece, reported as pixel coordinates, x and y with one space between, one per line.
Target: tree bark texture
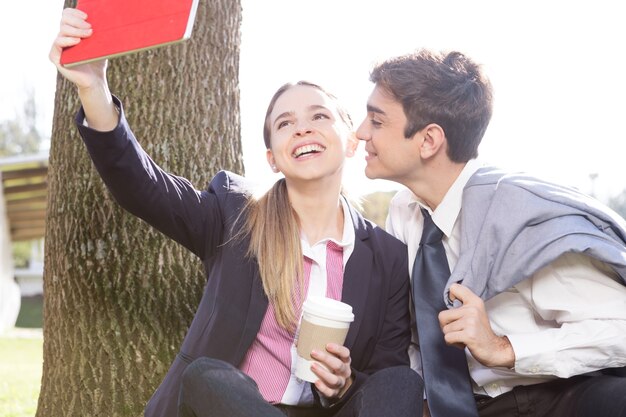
118 296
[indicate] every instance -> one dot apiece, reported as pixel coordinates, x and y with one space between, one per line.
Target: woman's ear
270 160
351 144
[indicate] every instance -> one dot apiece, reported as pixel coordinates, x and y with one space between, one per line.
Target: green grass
21 361
31 312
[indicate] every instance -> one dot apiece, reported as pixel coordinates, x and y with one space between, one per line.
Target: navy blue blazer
376 282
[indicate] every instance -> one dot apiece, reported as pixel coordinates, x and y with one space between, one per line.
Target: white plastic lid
328 308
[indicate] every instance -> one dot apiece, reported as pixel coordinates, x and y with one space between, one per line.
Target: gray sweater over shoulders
512 225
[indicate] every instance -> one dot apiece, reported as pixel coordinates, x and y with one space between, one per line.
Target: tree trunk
118 295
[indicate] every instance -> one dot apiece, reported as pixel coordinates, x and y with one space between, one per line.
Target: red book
124 26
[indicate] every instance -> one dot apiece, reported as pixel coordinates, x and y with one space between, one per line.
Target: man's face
390 155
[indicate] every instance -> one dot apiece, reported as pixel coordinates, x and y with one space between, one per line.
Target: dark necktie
447 381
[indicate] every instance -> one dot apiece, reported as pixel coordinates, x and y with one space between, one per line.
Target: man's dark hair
447 89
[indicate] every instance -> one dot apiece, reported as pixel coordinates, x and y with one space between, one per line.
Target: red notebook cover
124 26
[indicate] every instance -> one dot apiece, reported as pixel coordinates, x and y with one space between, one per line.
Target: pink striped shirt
269 360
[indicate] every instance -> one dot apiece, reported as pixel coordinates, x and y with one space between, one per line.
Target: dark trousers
579 396
213 388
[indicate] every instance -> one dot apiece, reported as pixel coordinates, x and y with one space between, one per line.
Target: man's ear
352 144
270 160
433 140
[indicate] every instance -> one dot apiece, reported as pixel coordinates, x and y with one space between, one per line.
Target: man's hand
469 326
335 376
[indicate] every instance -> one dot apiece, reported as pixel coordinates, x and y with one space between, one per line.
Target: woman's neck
319 210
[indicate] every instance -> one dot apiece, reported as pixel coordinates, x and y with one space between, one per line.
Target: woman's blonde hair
274 230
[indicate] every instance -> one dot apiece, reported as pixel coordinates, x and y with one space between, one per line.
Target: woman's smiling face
308 137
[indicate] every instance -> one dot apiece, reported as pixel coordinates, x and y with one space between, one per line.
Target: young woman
263 258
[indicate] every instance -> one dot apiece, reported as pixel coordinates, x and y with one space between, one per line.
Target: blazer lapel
356 279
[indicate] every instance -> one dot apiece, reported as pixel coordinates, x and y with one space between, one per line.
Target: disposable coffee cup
324 321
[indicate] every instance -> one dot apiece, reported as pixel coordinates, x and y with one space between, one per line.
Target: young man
538 270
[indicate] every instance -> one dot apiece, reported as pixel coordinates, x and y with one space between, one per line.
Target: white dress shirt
567 319
298 392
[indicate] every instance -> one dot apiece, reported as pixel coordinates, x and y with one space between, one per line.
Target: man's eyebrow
374 109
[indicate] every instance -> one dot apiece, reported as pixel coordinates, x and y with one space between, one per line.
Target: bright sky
557 69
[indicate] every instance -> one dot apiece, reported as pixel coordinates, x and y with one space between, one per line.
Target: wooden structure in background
24 188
